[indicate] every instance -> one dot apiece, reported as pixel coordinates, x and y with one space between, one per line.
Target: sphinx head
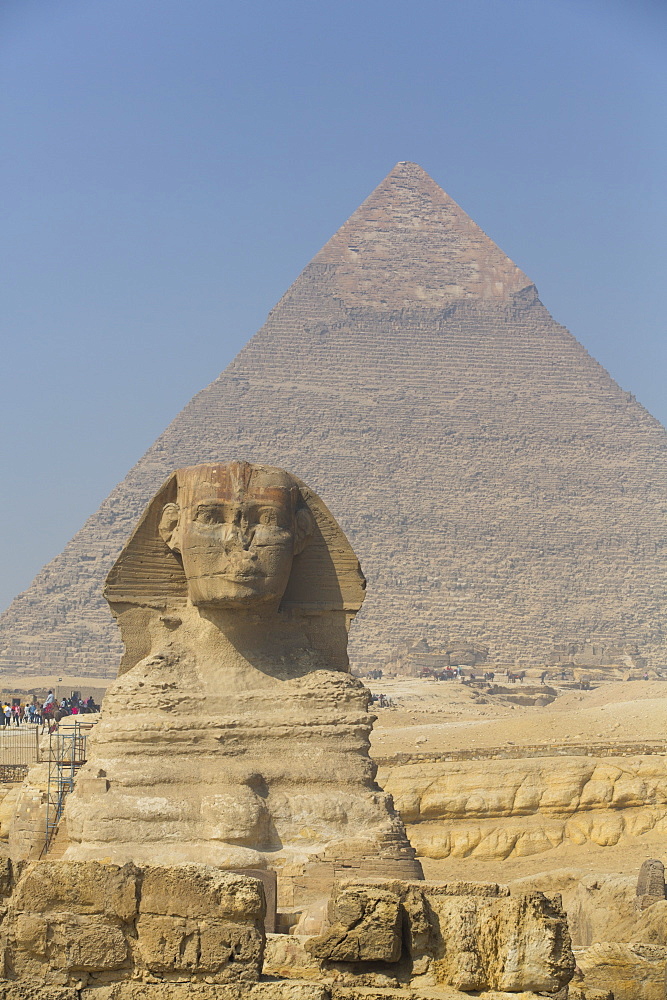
232 536
236 528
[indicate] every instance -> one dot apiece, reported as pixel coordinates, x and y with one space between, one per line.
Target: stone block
85 944
229 947
25 829
366 927
30 933
168 943
193 890
288 990
78 887
33 991
202 920
469 936
286 957
40 946
67 920
504 943
630 971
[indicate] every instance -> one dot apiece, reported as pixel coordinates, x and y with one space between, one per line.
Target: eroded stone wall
91 931
84 923
503 808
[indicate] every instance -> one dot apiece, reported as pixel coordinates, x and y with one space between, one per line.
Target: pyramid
498 486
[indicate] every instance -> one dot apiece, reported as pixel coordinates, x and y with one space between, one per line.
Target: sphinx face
237 531
235 552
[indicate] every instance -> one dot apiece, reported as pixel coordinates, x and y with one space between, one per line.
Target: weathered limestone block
69 942
67 919
235 734
8 798
650 883
287 990
277 990
33 991
97 923
516 943
630 971
464 935
194 918
78 888
28 823
286 956
365 927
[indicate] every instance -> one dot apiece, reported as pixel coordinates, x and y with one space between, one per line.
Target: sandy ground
447 715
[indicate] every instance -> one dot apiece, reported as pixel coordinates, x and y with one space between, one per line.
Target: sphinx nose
241 533
247 533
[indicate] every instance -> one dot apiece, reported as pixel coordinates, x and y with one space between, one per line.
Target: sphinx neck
262 637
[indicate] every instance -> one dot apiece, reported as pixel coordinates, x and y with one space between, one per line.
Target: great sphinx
235 734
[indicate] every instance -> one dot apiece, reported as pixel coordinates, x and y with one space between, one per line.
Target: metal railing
19 750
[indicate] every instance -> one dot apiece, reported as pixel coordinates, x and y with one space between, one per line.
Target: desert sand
439 717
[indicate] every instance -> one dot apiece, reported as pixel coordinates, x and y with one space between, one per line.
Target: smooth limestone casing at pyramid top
495 482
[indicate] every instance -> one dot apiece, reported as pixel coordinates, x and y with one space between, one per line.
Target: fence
19 750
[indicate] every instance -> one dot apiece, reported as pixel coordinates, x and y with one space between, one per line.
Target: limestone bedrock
498 809
235 735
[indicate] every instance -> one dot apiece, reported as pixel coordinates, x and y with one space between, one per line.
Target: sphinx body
235 734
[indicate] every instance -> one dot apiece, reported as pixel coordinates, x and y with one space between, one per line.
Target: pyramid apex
405 166
409 171
411 243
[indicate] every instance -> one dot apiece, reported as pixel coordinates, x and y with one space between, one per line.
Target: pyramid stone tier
497 485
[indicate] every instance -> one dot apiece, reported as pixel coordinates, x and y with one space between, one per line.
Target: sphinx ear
303 529
168 526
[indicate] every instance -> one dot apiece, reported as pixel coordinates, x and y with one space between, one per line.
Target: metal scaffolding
66 754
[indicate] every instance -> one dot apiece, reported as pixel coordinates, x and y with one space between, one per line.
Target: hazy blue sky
169 166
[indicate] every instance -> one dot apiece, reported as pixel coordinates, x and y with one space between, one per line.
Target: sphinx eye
209 515
268 517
